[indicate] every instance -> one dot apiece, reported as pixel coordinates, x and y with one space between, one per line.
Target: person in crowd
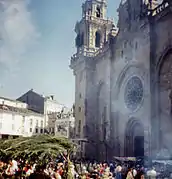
39 173
130 174
134 173
118 171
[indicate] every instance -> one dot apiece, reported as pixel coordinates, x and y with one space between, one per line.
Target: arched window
98 12
98 39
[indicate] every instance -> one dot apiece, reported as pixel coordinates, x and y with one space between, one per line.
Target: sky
36 42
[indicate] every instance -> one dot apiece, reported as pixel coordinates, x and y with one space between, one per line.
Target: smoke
17 32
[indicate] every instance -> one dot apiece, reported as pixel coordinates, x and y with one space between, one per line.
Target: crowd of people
60 169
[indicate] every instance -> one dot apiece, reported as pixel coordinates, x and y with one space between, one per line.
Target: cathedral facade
123 79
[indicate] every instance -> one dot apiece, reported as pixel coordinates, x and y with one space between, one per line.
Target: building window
79 126
31 122
42 124
98 39
79 109
30 129
98 12
136 45
41 131
36 130
82 40
80 96
134 92
36 123
122 54
23 120
52 130
46 131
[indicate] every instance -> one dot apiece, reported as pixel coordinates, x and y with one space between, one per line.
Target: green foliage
40 147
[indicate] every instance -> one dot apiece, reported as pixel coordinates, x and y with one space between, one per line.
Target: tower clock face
133 93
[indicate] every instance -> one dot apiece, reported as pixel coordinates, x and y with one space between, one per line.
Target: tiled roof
17 110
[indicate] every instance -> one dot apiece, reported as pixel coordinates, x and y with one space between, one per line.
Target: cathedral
123 79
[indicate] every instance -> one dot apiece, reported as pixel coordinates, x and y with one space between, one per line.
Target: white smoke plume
17 31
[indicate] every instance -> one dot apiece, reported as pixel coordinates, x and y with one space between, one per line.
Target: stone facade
121 85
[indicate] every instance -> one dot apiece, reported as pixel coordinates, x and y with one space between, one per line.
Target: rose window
133 93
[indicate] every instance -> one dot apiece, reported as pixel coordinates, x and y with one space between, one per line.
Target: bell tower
93 28
91 35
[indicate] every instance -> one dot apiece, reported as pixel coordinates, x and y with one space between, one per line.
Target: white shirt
118 168
134 172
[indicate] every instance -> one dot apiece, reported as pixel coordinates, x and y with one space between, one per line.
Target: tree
40 147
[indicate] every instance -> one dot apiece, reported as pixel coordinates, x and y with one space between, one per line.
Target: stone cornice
87 53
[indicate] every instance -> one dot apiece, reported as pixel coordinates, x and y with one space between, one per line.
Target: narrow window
37 123
122 54
36 130
79 126
98 12
136 45
82 39
53 130
79 109
42 124
31 122
98 39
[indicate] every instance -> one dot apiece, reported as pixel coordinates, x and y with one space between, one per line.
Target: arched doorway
134 139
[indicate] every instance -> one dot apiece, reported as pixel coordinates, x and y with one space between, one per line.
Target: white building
65 124
17 120
51 107
46 106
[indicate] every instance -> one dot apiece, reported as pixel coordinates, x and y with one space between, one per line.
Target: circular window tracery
133 93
